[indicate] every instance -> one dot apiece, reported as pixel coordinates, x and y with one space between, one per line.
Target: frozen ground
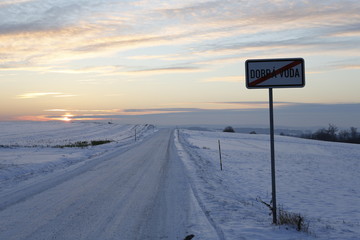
29 149
166 186
121 190
319 180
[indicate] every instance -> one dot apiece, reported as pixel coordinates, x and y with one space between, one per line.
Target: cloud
56 110
147 57
39 17
120 42
352 66
347 66
80 114
83 110
43 94
284 24
292 115
251 105
243 113
127 70
161 110
48 31
11 2
191 36
225 79
164 70
111 69
65 95
45 30
36 95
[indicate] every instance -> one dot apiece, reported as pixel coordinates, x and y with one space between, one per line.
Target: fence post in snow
220 156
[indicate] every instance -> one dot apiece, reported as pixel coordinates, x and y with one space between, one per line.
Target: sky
177 62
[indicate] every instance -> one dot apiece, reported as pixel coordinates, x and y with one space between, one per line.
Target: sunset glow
67 117
136 61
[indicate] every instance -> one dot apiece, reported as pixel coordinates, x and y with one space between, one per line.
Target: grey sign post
274 73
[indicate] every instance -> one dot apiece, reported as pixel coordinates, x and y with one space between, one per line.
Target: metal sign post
272 151
274 73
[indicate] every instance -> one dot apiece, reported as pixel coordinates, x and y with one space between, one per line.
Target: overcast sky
177 62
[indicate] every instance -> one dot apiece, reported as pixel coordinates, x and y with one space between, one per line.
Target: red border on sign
263 79
261 82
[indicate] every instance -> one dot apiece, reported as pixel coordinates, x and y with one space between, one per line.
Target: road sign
275 73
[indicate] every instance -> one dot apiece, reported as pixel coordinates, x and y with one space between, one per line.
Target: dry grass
292 219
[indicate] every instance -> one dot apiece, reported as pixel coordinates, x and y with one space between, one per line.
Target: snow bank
317 179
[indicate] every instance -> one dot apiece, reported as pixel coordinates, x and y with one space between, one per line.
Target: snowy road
137 194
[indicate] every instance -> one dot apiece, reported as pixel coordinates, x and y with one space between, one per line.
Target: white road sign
275 73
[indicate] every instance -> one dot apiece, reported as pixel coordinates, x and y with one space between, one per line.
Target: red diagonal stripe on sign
284 68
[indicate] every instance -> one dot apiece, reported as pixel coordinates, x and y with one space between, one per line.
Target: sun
66 117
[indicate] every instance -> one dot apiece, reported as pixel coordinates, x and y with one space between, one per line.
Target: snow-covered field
319 180
29 149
